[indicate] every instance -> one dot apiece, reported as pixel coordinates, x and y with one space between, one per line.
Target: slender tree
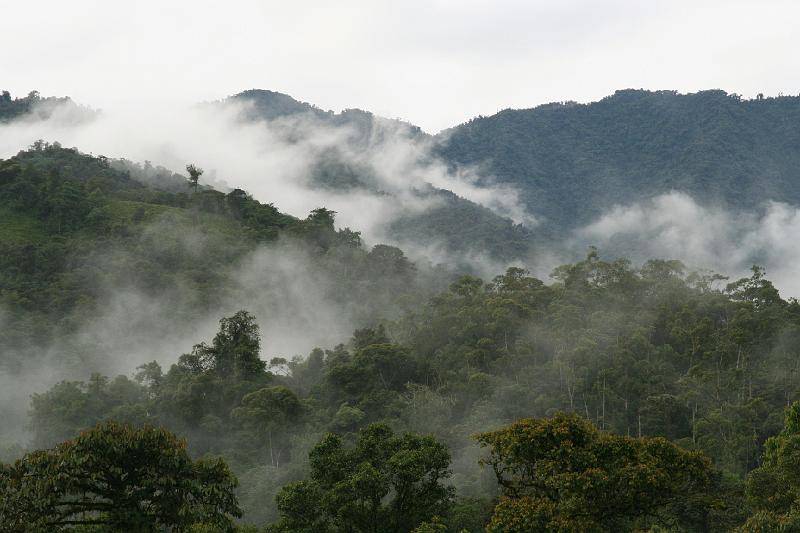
194 175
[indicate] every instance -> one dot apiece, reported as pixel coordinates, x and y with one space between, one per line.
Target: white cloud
273 160
675 226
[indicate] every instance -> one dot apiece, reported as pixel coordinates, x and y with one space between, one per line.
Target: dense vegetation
573 161
116 478
562 474
34 106
613 398
441 227
11 108
641 353
269 105
74 225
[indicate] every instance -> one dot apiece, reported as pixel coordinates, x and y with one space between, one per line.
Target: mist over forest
254 314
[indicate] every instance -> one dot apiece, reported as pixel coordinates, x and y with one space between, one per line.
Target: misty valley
256 315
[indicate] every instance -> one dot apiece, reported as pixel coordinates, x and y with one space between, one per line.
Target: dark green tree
563 474
120 479
194 175
269 412
773 489
386 483
233 351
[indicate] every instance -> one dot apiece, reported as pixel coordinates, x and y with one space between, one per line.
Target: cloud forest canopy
440 225
638 352
609 396
573 161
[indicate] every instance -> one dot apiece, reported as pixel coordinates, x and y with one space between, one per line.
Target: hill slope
76 233
454 225
572 161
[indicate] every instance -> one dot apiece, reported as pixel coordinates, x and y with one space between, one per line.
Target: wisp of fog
274 161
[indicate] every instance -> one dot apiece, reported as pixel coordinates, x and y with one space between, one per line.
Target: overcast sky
435 63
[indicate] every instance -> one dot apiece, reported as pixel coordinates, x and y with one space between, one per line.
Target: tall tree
194 175
773 489
268 412
118 478
387 483
233 351
563 474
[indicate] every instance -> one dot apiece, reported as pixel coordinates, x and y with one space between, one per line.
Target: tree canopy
120 478
773 489
562 474
385 483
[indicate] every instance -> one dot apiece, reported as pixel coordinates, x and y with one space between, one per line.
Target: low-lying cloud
676 226
274 160
293 295
280 284
290 294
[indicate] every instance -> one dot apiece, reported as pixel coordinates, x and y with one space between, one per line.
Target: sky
434 63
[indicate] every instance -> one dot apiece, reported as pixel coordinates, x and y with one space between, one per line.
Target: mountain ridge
573 161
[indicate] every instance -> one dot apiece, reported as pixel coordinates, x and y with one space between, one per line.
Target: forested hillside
441 226
269 105
35 107
567 163
152 380
75 228
447 280
637 352
573 161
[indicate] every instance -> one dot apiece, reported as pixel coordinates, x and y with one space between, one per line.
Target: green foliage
572 162
386 483
773 489
267 411
649 351
69 407
118 478
441 226
234 350
563 474
435 525
16 228
636 351
73 225
33 103
194 175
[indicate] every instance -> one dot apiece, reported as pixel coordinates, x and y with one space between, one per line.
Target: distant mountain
36 107
270 105
573 161
454 225
570 162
